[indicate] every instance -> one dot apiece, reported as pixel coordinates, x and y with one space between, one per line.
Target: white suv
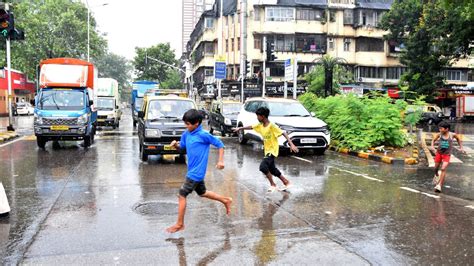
306 131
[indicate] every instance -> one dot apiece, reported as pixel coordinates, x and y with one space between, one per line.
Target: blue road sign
220 70
287 63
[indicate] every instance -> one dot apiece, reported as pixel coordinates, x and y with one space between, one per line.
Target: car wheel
41 142
319 151
211 130
222 131
143 154
241 136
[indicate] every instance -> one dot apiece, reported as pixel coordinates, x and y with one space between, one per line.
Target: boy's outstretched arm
220 163
293 148
237 129
458 138
435 138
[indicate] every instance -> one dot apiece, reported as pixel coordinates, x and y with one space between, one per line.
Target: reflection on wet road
104 206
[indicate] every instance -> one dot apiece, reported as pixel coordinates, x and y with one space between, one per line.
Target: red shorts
442 158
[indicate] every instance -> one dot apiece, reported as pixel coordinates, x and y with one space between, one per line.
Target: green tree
329 66
152 70
173 81
53 28
316 79
434 35
114 66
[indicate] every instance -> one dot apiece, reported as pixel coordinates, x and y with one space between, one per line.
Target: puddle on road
155 208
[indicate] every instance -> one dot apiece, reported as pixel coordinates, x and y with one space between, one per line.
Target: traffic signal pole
9 80
243 46
264 72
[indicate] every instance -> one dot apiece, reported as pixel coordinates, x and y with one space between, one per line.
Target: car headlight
110 116
287 129
326 130
83 119
153 133
227 122
38 119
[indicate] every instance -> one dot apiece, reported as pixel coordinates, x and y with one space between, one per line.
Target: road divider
414 159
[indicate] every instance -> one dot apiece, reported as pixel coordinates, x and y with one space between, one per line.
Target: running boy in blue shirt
196 141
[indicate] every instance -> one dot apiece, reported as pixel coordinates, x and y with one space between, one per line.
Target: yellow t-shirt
270 136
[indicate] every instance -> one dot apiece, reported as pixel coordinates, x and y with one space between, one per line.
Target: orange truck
64 105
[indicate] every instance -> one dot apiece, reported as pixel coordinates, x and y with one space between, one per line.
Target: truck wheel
143 154
41 142
118 124
241 136
114 126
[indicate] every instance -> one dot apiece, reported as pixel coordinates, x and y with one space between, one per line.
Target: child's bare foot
227 204
175 228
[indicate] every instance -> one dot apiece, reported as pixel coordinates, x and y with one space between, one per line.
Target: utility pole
243 46
219 81
295 78
264 73
9 66
170 66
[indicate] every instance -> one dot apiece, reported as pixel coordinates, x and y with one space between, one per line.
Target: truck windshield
61 100
138 103
105 104
158 109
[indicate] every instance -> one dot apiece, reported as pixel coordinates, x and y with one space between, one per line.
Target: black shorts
268 166
190 185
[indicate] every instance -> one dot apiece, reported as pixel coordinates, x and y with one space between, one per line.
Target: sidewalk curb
426 150
6 136
379 158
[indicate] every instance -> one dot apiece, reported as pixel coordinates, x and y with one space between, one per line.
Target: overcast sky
141 23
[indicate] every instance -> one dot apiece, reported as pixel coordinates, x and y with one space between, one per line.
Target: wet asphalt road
104 206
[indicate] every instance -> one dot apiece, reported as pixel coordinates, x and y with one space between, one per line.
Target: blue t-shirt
197 144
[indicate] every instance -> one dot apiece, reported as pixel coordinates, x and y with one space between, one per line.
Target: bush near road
359 123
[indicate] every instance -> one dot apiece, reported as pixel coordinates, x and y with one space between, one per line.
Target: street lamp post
89 28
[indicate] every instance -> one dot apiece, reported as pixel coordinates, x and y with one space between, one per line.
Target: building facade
305 30
191 12
22 89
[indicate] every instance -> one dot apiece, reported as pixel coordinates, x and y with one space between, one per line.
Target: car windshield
21 105
231 108
160 109
286 109
138 103
61 100
105 104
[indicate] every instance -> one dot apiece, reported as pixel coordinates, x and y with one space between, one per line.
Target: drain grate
155 208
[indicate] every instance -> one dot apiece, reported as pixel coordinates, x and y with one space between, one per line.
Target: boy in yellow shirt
270 133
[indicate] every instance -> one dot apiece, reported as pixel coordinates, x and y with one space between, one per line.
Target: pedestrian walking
4 206
452 114
270 133
443 152
196 142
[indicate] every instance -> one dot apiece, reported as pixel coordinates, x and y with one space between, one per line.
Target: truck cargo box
67 72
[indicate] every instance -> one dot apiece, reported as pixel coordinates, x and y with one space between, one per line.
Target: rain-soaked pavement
104 206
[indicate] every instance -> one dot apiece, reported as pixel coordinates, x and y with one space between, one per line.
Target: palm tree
329 63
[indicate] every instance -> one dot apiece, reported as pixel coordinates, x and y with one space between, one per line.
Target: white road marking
362 175
430 195
470 206
410 189
11 142
301 159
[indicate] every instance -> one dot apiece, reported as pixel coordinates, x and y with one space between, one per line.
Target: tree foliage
434 35
316 79
53 28
173 81
152 70
359 123
114 66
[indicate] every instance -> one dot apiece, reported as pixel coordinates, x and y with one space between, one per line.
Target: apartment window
277 71
280 14
308 14
227 45
232 18
347 44
283 43
209 72
232 44
209 48
238 43
393 73
370 17
364 44
453 75
332 16
311 43
371 72
348 17
226 21
257 42
256 14
209 23
331 43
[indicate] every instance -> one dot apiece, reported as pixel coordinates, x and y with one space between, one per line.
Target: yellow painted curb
411 161
386 159
363 155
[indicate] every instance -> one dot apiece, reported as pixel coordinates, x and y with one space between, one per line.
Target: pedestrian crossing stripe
470 206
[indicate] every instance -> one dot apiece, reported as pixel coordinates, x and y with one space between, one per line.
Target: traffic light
271 52
247 67
6 23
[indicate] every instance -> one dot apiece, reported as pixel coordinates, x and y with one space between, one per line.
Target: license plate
100 120
306 141
59 128
169 148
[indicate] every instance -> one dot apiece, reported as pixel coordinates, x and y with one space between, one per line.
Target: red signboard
19 81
